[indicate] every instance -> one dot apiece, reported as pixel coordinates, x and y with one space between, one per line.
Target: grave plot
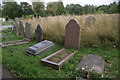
11 43
40 48
57 59
72 41
89 63
93 62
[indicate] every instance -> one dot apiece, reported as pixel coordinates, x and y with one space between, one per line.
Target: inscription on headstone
21 29
27 30
89 21
72 35
39 33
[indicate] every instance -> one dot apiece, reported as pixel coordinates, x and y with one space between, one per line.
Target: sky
81 2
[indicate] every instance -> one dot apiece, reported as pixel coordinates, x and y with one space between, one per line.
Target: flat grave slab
41 48
11 43
57 59
92 62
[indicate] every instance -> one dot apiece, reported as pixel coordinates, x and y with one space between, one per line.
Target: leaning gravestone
92 62
89 21
40 48
27 31
21 29
72 35
39 33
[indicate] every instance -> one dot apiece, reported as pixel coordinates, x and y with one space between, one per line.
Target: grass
28 66
6 23
11 36
103 33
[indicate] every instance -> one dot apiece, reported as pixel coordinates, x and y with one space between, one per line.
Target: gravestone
92 62
27 30
89 21
72 35
40 48
39 33
16 28
21 29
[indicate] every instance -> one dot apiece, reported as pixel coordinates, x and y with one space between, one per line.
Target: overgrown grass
104 33
28 66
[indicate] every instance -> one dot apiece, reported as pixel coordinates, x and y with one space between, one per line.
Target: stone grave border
58 65
24 41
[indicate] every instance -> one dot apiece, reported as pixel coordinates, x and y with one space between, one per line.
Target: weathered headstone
27 31
92 62
41 48
72 35
89 21
39 33
16 28
21 29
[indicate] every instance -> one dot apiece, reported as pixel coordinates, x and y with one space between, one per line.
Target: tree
113 8
11 10
26 8
38 8
89 9
74 9
55 8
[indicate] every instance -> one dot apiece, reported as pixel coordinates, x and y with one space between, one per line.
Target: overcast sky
81 2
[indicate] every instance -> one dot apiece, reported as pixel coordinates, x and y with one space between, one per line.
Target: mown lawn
28 66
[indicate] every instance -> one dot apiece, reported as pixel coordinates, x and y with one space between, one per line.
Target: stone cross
89 21
27 30
72 35
21 29
39 33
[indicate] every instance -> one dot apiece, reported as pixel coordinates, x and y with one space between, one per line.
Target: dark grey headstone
72 35
28 31
21 29
89 21
40 48
92 62
39 33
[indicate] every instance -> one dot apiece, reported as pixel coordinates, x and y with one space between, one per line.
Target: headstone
16 28
72 35
21 29
89 21
92 62
40 48
39 33
27 31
